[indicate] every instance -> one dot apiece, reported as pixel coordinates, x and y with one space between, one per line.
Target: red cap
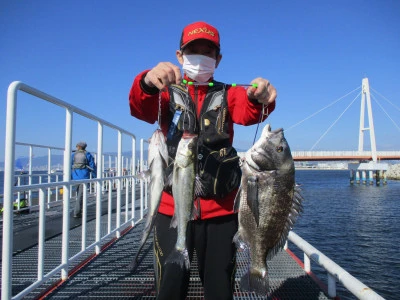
199 30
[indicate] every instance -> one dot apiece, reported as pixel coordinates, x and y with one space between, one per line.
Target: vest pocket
219 172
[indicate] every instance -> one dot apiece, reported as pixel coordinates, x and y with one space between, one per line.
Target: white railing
335 272
45 174
10 190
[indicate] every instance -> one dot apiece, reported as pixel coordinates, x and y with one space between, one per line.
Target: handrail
66 184
356 287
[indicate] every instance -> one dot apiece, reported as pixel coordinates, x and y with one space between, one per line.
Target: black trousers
215 251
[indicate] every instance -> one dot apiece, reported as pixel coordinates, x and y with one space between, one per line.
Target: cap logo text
200 30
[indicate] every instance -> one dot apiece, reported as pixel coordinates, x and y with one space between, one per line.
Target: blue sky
87 53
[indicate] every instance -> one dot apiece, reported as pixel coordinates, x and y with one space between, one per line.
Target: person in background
83 165
210 112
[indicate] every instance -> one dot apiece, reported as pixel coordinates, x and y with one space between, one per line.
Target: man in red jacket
210 110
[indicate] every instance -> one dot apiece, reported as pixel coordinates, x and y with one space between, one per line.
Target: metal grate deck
107 277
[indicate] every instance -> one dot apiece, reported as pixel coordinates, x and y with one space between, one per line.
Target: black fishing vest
218 164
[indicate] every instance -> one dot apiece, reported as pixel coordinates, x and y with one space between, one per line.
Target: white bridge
344 155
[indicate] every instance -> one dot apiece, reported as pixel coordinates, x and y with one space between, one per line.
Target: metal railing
335 272
42 189
47 174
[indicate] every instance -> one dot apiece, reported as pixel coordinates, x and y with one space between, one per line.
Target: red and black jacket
144 105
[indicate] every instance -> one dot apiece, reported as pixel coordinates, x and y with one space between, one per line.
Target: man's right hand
163 75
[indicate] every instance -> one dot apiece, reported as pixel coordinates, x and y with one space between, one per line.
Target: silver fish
158 160
183 190
269 204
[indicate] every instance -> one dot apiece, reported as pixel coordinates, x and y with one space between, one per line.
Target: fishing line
255 85
259 121
159 109
185 82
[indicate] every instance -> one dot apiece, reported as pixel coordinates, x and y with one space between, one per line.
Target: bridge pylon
372 169
366 100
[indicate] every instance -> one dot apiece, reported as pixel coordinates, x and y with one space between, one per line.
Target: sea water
357 226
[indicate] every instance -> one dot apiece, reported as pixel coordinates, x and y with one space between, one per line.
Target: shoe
78 216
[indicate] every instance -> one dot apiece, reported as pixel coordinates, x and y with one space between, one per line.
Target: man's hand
163 75
265 92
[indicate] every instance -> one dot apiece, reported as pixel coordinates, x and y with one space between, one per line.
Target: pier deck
106 276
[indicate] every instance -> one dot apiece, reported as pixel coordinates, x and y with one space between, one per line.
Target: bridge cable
298 123
335 121
377 102
385 99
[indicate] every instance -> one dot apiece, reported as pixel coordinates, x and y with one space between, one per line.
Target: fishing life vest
218 163
80 160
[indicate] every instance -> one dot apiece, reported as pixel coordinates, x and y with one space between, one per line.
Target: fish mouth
276 130
268 131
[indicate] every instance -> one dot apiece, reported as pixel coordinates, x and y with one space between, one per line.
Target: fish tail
174 222
179 257
149 227
135 262
255 282
133 265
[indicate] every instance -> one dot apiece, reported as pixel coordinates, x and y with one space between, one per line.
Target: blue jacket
84 173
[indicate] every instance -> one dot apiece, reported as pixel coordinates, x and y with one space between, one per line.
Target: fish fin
179 257
174 222
298 200
255 282
236 203
295 211
239 242
252 197
278 246
165 157
198 187
297 207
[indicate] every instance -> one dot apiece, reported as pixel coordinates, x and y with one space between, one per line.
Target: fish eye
279 149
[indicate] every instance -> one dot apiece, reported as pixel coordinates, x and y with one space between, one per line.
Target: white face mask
198 67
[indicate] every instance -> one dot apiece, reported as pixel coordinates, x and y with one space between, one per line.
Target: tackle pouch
219 171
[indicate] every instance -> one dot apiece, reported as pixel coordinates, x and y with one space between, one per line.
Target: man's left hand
265 92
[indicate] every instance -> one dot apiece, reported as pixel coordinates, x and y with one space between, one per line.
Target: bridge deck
106 276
